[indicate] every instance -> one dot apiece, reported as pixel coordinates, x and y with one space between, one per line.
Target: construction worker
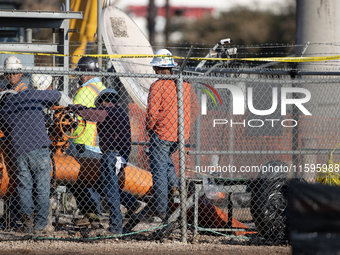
14 79
15 83
87 145
91 86
114 133
162 127
44 82
26 152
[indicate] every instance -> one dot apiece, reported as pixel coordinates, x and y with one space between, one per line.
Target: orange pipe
67 168
85 171
67 171
4 178
135 181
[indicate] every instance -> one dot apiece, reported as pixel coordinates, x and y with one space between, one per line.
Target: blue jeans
33 171
163 171
108 186
88 199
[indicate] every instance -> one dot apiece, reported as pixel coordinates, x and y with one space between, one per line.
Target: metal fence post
198 133
99 33
182 158
181 138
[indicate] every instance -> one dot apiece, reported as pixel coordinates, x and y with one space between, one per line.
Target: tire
269 201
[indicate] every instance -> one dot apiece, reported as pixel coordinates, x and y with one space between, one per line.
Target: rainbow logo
210 94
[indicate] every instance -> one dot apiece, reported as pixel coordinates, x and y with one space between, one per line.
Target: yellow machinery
83 31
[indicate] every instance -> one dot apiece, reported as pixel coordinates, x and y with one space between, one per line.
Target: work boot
47 230
27 224
82 222
88 219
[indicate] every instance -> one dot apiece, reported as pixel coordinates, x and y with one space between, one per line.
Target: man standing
87 145
91 86
26 152
44 82
14 79
114 133
161 124
15 83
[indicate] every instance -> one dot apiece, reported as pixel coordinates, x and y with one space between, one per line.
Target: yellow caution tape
116 56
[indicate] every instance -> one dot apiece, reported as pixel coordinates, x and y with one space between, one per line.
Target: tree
243 26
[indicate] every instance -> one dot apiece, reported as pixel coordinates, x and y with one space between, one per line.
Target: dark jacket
113 126
22 119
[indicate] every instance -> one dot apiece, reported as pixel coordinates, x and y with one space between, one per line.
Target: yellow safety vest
86 96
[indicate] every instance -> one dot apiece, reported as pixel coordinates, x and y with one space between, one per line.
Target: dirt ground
62 242
128 248
67 241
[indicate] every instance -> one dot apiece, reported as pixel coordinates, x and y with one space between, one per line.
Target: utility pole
317 29
317 22
152 14
167 21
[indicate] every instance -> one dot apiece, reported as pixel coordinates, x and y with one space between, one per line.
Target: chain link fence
216 157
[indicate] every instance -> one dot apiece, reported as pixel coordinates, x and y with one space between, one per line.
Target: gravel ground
61 242
69 240
133 247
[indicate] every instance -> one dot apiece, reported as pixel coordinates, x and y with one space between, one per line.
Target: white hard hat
12 62
163 61
40 81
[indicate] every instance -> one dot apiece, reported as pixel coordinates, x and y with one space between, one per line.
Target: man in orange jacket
162 126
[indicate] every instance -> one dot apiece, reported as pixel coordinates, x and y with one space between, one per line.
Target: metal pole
66 48
152 13
181 138
196 197
181 145
53 41
263 152
99 32
295 130
7 212
198 133
29 35
316 22
167 21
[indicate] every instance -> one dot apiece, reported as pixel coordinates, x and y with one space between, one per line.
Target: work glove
75 108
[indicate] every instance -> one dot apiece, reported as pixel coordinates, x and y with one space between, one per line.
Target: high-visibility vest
22 86
86 96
